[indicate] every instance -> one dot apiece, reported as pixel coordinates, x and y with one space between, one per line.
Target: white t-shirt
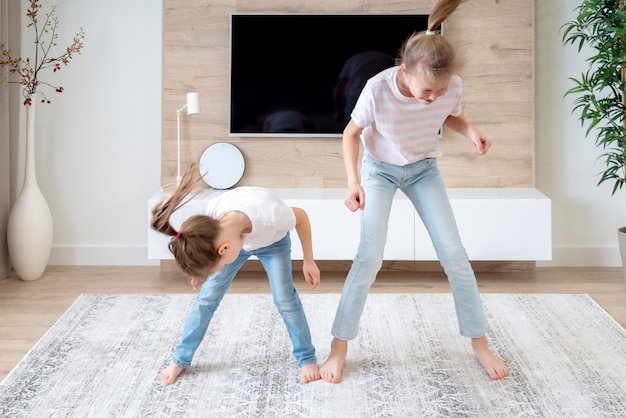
271 218
400 130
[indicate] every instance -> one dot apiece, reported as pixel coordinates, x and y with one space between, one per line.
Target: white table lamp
193 108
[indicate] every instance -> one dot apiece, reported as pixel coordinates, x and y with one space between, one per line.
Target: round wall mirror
221 165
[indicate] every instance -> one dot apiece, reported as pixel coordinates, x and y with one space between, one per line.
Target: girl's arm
355 198
303 229
461 125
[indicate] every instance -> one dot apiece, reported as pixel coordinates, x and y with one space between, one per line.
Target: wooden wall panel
496 40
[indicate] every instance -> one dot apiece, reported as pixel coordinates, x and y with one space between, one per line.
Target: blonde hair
429 53
193 246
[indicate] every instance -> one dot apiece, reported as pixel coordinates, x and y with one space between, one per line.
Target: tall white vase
29 232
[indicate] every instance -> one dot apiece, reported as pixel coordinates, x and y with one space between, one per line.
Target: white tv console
496 224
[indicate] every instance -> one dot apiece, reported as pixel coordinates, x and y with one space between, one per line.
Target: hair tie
430 32
177 235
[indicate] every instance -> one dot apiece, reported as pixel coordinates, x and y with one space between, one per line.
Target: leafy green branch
601 25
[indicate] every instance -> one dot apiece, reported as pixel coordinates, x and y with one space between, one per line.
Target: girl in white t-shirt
397 119
211 248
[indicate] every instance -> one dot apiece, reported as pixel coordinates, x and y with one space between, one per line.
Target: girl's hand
481 143
461 125
355 198
311 273
196 283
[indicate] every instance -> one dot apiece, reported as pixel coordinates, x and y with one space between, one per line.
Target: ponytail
193 246
440 12
431 54
163 209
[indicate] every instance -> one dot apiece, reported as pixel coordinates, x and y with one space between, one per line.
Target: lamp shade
193 103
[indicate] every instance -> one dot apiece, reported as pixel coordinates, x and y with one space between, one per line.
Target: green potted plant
601 104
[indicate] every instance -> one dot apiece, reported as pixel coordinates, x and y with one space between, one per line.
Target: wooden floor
29 309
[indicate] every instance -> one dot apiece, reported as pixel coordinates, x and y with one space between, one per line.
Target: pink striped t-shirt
400 130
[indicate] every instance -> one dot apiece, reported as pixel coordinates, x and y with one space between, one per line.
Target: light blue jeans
422 184
276 260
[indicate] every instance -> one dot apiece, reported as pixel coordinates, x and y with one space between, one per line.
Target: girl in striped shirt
397 118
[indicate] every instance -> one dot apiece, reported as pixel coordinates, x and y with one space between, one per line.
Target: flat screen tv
285 68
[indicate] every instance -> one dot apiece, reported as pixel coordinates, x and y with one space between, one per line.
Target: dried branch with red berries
30 71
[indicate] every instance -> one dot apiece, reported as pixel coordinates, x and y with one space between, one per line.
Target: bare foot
170 373
494 367
309 373
331 369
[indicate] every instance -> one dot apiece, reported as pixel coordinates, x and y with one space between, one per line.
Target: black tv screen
285 68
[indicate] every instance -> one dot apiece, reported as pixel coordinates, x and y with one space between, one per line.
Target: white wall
585 217
99 142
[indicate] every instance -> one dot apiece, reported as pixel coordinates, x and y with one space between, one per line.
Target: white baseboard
129 255
566 256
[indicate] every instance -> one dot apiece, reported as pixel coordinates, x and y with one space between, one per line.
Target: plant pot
621 237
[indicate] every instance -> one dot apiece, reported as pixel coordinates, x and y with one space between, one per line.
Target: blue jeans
276 260
422 184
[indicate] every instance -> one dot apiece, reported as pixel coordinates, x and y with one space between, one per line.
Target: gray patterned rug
567 355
